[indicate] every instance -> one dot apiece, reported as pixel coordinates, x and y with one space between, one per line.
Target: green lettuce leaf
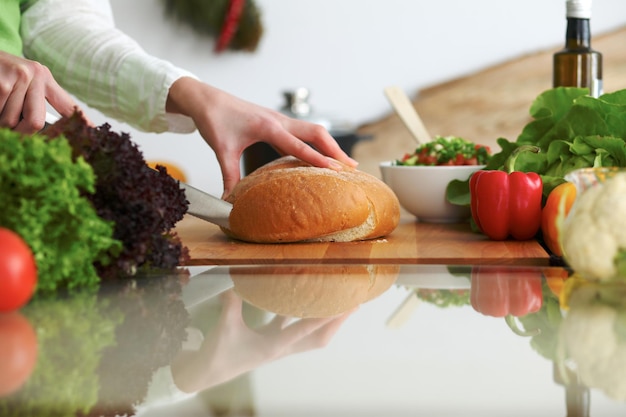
41 195
572 129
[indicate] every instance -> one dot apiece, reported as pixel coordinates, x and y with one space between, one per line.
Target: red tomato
429 160
18 352
18 271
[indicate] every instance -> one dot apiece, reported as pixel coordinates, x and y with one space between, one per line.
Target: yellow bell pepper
174 170
555 279
556 209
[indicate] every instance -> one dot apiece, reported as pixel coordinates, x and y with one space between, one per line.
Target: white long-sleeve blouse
100 65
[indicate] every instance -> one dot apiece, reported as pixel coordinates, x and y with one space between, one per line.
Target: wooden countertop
411 243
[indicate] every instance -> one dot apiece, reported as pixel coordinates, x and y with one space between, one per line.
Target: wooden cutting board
411 243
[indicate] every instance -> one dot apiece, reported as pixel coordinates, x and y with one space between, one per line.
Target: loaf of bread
288 200
312 291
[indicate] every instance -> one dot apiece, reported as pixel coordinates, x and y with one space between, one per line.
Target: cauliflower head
593 236
593 335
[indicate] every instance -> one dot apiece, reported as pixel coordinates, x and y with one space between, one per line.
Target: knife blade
206 206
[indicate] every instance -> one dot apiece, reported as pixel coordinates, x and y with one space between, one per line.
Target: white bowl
421 190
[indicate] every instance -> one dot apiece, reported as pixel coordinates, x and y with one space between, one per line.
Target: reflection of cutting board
410 243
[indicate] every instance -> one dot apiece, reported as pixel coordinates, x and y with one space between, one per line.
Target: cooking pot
297 106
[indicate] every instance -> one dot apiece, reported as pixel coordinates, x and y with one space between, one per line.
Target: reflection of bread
312 291
288 200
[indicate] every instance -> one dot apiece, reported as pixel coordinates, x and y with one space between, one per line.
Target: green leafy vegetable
98 351
572 129
149 337
87 204
210 18
43 198
143 204
444 298
72 333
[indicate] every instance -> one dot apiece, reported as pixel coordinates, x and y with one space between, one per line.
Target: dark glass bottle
577 65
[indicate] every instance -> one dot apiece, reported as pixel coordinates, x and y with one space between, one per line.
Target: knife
206 206
202 205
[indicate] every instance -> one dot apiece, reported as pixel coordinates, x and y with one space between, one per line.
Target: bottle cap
580 9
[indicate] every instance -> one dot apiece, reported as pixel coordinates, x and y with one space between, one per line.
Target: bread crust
289 200
312 291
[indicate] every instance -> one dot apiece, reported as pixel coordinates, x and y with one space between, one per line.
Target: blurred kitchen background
347 51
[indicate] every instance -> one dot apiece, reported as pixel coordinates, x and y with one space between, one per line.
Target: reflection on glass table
314 340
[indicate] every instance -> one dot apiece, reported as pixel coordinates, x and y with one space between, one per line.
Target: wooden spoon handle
405 109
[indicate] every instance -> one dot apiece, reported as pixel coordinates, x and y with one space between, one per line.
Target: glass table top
322 340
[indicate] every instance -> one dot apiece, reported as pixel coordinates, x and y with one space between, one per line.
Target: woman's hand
233 348
25 87
229 125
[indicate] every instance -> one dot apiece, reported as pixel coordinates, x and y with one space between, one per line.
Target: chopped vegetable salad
448 150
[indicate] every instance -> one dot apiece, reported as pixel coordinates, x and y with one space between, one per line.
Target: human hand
25 86
233 348
229 125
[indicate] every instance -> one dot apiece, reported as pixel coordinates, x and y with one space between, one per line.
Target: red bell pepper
502 292
230 25
507 203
